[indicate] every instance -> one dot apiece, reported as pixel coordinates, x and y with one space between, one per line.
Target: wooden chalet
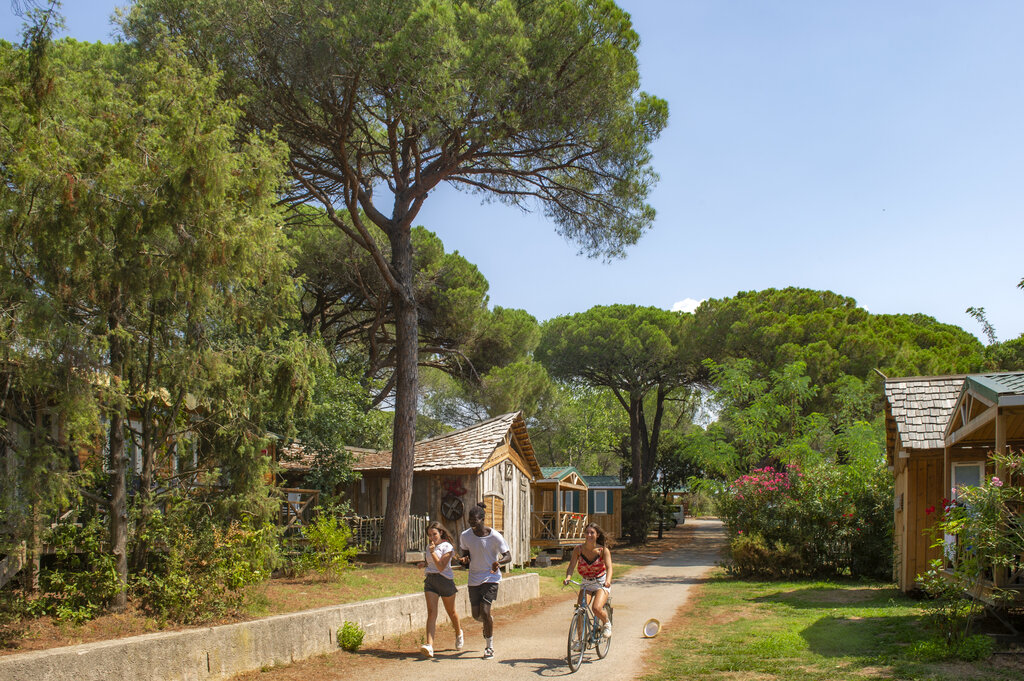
560 508
492 462
940 432
604 500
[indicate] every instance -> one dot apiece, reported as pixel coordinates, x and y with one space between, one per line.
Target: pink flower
996 482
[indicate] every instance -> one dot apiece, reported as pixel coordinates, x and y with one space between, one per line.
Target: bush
78 586
350 636
198 568
825 520
753 557
330 548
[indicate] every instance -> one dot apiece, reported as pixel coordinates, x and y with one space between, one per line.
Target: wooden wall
611 523
918 487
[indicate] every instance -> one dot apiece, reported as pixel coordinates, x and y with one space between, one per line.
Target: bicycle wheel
577 640
604 643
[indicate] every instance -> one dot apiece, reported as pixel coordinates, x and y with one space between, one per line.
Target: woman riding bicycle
594 561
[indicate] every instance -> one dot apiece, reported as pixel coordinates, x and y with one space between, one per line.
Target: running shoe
488 653
607 630
459 640
427 650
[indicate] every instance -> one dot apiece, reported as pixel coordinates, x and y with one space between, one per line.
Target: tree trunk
636 446
118 476
396 517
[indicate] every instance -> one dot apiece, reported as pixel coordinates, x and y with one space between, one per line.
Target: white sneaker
459 640
488 653
427 650
607 630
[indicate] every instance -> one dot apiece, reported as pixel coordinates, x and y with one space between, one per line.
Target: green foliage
821 520
350 636
82 580
200 568
330 550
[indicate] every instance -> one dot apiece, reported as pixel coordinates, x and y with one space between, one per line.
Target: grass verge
808 631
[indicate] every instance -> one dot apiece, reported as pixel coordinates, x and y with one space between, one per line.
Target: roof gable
917 410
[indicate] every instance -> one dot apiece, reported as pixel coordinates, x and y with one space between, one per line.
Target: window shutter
576 501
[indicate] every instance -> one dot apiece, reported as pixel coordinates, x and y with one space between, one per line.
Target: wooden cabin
988 417
492 462
604 500
560 508
940 432
916 413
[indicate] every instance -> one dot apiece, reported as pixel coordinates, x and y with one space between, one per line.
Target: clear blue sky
868 147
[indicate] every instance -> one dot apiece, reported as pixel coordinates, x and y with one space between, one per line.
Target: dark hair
601 539
440 528
478 511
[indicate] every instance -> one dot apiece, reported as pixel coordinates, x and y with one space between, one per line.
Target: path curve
533 647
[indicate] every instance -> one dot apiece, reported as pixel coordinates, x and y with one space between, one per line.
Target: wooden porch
554 530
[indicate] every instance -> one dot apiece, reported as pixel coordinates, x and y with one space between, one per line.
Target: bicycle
585 631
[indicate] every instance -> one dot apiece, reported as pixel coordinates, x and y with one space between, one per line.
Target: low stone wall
221 652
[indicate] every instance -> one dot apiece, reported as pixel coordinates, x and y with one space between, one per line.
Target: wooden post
1000 441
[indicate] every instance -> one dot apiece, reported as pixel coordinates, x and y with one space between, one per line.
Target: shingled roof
919 409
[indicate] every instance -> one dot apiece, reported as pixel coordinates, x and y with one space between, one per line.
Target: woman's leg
431 615
449 606
600 598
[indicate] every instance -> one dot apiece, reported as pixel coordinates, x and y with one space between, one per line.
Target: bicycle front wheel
577 640
604 643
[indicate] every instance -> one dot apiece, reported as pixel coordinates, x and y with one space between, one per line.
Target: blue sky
871 148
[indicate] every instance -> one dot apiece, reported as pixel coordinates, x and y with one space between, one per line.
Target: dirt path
530 640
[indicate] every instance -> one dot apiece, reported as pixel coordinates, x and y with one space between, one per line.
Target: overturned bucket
651 628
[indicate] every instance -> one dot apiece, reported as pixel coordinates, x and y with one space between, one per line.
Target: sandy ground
530 640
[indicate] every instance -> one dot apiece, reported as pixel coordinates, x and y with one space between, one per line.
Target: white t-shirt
439 551
483 551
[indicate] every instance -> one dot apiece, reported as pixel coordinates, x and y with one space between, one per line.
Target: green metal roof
558 472
992 386
602 481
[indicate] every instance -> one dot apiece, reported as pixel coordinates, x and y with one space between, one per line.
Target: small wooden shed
604 500
492 461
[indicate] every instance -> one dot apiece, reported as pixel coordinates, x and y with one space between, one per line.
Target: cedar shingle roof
466 449
920 407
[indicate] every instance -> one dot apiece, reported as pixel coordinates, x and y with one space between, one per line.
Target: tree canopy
533 103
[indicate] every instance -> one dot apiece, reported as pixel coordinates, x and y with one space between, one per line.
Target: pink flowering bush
825 520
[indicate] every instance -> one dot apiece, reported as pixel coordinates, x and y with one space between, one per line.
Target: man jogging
484 551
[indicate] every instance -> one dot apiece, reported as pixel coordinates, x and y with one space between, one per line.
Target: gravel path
534 644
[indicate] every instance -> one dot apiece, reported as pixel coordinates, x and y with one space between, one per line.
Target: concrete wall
221 652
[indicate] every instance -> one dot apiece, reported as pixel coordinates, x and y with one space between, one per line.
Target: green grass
806 631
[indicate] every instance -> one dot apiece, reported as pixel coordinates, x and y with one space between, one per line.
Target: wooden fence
367 532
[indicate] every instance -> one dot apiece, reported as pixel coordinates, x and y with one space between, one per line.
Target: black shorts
439 584
483 593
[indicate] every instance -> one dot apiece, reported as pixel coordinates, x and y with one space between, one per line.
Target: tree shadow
857 636
836 598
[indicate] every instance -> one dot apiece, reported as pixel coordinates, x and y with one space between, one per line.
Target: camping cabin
604 501
492 462
940 432
560 508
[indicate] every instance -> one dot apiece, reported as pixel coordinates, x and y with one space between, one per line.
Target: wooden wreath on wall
452 507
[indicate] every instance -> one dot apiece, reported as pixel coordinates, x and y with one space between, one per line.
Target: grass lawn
807 631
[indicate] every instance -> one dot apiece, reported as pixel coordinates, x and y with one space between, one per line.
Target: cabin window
570 505
600 501
967 475
384 495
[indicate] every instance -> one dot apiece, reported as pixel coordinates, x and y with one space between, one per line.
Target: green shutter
590 501
609 497
576 501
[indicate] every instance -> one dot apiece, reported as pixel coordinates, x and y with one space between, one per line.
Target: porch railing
297 507
560 525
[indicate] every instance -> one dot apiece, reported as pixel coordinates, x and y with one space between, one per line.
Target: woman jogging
594 561
485 551
439 583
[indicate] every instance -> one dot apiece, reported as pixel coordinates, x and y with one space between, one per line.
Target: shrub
753 557
825 520
83 578
330 549
198 568
350 636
